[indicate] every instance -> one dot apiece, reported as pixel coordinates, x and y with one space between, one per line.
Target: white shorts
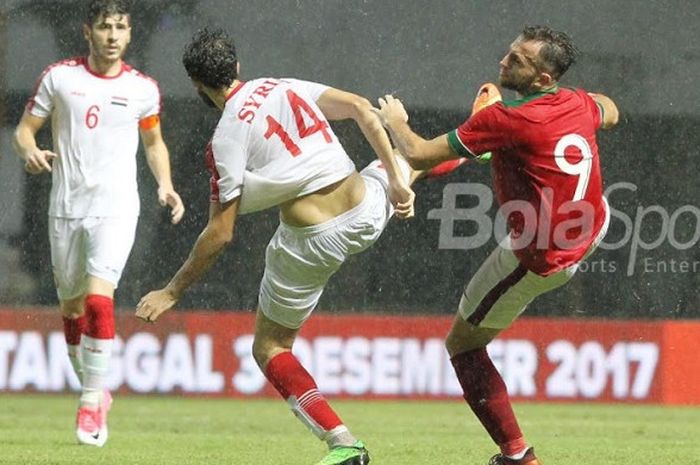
82 247
299 261
502 287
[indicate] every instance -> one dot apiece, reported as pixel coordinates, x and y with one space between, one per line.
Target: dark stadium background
433 55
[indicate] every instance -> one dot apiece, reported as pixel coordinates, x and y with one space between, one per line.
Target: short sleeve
594 108
486 131
312 89
41 103
226 161
152 102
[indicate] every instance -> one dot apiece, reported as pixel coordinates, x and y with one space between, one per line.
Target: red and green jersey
545 170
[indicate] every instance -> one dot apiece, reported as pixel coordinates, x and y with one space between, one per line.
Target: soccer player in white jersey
98 106
273 146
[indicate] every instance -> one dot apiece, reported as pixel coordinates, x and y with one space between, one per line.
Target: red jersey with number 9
545 171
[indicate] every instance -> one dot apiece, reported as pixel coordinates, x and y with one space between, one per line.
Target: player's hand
390 111
154 304
402 198
171 198
38 161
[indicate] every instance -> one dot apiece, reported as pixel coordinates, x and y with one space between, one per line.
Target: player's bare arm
610 113
420 153
211 242
159 163
36 160
338 105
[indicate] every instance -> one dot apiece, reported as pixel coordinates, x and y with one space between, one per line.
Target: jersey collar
235 90
86 64
531 97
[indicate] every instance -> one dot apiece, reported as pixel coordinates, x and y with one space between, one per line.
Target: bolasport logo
648 228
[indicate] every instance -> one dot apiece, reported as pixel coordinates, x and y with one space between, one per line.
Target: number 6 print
91 118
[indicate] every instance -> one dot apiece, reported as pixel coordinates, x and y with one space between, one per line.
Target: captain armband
149 122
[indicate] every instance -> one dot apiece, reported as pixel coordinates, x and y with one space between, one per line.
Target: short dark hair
210 58
558 51
101 8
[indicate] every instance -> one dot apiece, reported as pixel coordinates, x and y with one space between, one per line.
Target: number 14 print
299 108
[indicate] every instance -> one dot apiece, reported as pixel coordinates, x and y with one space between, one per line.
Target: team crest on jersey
120 101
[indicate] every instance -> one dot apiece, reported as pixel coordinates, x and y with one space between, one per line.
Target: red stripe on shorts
496 293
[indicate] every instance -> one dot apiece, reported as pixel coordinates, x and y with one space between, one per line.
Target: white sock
519 455
339 436
96 354
76 361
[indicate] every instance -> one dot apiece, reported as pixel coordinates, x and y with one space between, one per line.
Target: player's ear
238 68
545 80
86 32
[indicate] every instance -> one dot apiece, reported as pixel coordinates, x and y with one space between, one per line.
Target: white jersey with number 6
94 123
273 144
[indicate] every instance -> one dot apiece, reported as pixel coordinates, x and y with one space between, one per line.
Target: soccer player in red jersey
546 176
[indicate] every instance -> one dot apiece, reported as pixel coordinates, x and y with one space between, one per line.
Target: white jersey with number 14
273 144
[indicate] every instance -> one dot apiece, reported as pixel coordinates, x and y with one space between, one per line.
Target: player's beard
520 86
102 56
205 98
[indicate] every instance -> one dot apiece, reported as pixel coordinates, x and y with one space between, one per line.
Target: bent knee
266 350
464 337
73 308
456 344
260 353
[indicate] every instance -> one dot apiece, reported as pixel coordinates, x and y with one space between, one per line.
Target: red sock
486 394
291 379
73 328
445 168
99 313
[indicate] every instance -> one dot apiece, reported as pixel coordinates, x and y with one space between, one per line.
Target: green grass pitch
38 429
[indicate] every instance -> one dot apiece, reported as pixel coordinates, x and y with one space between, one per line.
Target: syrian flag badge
120 101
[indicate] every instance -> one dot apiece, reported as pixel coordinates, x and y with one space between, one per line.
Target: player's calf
298 388
73 329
